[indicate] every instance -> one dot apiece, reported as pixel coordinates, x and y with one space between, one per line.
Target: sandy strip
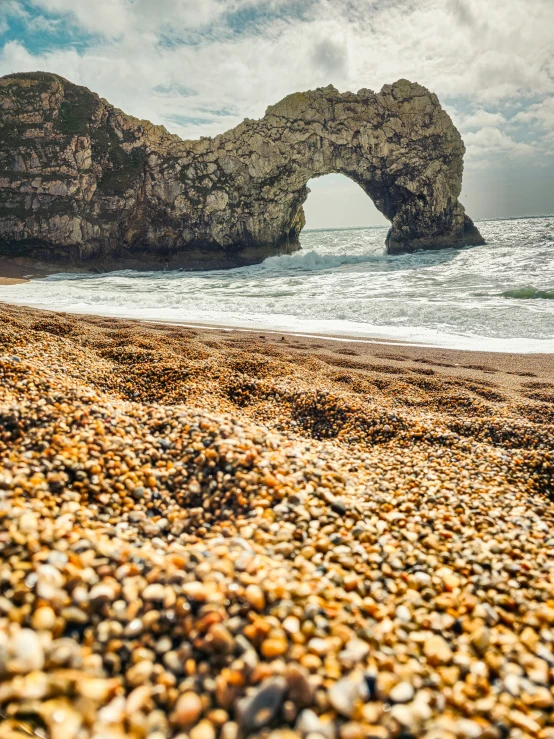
15 271
12 280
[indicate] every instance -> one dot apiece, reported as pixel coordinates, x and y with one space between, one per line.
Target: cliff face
82 185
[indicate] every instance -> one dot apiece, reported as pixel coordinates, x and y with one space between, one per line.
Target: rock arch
86 185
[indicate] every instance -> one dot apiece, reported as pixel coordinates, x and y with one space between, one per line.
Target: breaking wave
312 261
493 297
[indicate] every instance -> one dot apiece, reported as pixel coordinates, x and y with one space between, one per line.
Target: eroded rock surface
85 185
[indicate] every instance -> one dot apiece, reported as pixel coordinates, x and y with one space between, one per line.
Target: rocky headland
85 186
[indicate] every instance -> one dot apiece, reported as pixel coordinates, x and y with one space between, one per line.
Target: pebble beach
220 535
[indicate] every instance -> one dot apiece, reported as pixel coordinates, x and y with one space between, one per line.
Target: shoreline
13 280
315 341
12 269
344 338
13 273
465 361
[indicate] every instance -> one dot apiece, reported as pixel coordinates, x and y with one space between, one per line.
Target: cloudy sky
201 66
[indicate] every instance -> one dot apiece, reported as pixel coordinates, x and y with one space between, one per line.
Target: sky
199 67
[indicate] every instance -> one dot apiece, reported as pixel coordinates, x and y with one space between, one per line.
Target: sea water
497 297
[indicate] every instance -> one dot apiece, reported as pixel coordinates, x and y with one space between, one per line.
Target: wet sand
14 272
11 273
213 533
12 280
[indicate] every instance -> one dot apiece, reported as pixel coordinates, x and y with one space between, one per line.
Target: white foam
311 261
343 285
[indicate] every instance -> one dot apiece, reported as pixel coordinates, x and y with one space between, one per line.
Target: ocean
498 297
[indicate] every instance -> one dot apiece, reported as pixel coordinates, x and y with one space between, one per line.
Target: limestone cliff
83 185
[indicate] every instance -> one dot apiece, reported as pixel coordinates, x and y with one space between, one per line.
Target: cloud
541 113
40 24
104 17
124 18
9 10
200 67
492 142
485 50
482 118
331 57
463 14
115 18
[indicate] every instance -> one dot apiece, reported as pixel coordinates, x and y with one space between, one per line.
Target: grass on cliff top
37 76
77 109
15 80
76 117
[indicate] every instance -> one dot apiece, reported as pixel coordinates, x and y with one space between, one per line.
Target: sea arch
88 187
398 145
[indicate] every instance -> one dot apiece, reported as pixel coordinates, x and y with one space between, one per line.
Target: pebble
139 673
403 613
155 591
26 651
275 647
259 709
203 730
255 596
213 535
338 506
402 693
134 627
291 625
138 699
196 591
345 694
188 709
44 619
355 650
310 724
405 716
468 728
221 638
437 650
480 640
100 594
299 688
352 730
229 730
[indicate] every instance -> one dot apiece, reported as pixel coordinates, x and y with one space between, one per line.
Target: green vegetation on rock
126 167
12 205
77 110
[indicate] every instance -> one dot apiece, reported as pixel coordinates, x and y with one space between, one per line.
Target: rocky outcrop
84 185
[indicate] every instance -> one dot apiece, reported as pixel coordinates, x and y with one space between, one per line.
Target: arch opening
336 201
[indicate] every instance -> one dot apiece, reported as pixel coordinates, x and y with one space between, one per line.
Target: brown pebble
437 651
255 596
44 619
188 709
